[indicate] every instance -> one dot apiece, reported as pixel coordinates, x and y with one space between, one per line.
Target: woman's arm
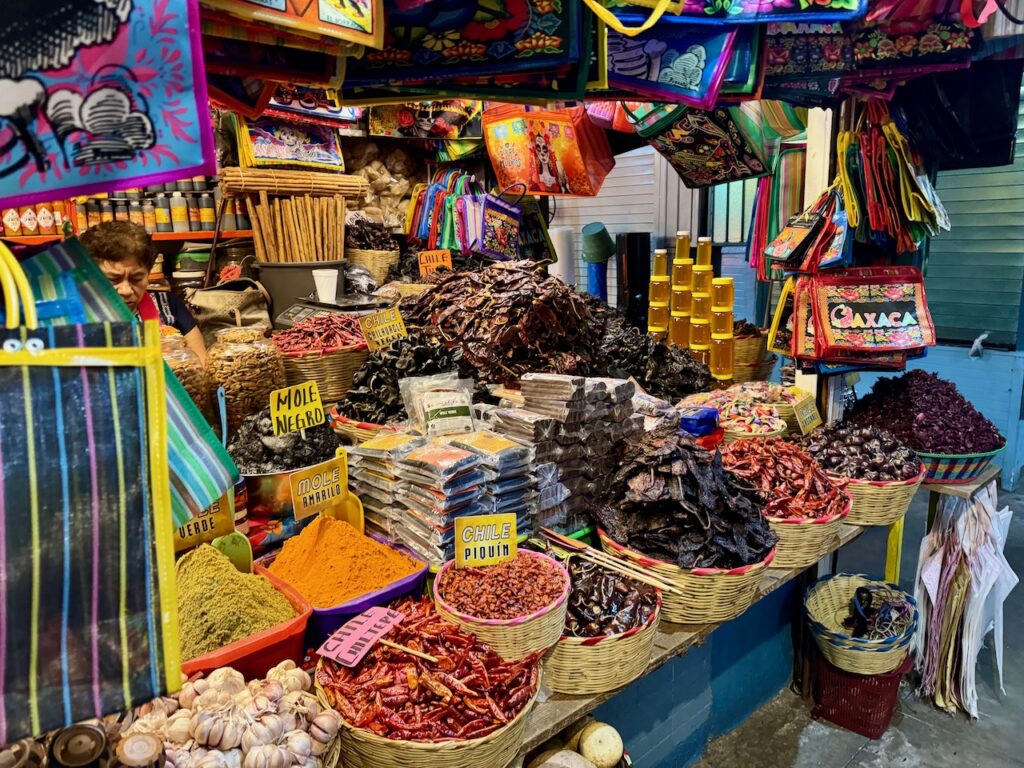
194 339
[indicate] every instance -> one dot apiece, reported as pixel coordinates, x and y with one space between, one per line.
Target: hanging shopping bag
552 152
89 616
729 12
499 227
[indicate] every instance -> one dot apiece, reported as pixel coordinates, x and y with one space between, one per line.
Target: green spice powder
218 605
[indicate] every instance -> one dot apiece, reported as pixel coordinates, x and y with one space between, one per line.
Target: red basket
863 704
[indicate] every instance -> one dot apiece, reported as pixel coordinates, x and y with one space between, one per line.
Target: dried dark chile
257 450
862 453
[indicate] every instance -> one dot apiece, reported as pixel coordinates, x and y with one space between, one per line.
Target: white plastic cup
326 281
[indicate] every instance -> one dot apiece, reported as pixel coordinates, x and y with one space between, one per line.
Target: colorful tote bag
88 618
756 11
109 96
357 21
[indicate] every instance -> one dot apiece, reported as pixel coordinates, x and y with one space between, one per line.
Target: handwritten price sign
431 261
352 641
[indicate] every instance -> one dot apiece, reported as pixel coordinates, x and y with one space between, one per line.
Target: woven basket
880 503
750 350
955 469
827 603
732 437
586 665
511 638
332 371
709 595
744 372
377 262
399 290
364 749
356 432
804 542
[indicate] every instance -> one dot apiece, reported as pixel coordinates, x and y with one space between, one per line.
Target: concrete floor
783 735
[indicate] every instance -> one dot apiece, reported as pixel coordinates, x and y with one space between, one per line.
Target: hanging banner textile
357 21
108 96
748 11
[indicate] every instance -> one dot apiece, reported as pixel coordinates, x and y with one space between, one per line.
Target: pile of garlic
220 722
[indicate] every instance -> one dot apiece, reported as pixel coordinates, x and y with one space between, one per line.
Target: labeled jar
12 222
660 266
721 320
44 219
682 246
701 353
29 224
657 314
700 306
703 274
679 329
92 214
704 251
682 273
179 212
681 298
723 292
659 289
700 332
189 370
107 211
249 366
657 332
722 350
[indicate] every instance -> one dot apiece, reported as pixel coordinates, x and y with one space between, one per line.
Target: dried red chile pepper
326 333
606 603
469 693
793 482
508 590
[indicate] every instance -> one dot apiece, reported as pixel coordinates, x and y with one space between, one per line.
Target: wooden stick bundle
297 228
246 181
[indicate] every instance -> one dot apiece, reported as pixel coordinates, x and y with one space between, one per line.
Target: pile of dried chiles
862 453
674 501
606 603
509 319
369 236
257 450
375 396
509 590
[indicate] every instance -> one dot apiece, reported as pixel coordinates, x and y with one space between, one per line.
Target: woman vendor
125 254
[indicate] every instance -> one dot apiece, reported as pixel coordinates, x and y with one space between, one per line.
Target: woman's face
129 278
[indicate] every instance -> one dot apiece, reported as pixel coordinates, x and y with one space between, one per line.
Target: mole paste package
388 446
618 390
553 386
450 485
567 413
496 451
524 424
439 405
439 460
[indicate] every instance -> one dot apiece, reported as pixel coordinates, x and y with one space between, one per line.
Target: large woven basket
377 262
511 638
750 350
587 665
332 371
880 503
732 437
955 469
356 432
361 748
827 603
803 542
760 371
709 595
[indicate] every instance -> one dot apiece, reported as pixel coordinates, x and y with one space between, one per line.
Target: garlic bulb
233 758
153 722
214 699
290 676
212 759
187 695
178 729
228 680
202 685
299 744
273 690
257 705
312 762
325 726
267 756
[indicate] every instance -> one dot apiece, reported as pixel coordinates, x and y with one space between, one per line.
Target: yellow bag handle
612 20
16 291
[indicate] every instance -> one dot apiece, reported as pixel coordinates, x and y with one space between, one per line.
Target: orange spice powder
330 563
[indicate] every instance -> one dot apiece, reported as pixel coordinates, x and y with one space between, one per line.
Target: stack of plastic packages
508 465
440 482
373 477
610 421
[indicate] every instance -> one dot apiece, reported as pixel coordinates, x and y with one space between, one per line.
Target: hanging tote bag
88 624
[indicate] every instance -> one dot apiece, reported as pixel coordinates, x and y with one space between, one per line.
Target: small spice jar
722 350
722 292
700 305
189 370
702 276
249 366
704 251
660 289
721 319
682 246
681 297
657 314
660 266
679 329
700 332
682 273
700 352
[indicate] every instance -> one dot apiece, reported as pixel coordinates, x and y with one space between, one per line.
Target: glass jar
681 297
700 352
682 246
723 293
660 289
682 273
249 366
660 262
721 320
679 329
657 314
704 251
722 350
188 369
658 333
702 276
700 331
700 306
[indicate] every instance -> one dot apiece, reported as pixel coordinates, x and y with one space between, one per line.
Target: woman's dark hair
119 241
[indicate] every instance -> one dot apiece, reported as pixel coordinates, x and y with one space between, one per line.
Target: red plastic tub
863 704
257 653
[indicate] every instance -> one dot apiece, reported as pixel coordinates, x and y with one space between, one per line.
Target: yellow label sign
295 408
382 328
806 411
431 261
319 487
216 520
485 540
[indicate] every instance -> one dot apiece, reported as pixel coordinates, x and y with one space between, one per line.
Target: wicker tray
377 262
750 350
511 638
826 604
880 503
732 437
710 595
803 542
356 432
955 469
361 748
332 371
586 665
744 372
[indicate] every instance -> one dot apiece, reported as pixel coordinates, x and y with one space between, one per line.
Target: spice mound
468 693
605 603
793 482
330 563
219 605
862 453
509 590
257 450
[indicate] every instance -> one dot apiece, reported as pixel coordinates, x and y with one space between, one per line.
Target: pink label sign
351 642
